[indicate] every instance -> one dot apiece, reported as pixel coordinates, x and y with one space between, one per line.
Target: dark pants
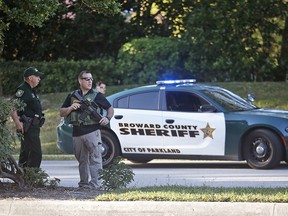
30 151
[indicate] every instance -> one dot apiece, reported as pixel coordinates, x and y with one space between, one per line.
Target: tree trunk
9 169
1 89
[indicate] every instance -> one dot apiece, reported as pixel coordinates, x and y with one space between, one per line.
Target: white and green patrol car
179 119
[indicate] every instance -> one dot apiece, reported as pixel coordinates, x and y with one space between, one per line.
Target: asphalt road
179 172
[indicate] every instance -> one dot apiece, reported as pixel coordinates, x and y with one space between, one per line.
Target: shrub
117 175
36 177
146 60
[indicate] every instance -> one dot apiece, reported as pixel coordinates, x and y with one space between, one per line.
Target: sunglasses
87 78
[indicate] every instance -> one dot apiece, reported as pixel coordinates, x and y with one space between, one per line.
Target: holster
38 121
27 121
42 121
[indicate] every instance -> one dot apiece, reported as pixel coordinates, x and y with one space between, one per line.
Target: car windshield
228 100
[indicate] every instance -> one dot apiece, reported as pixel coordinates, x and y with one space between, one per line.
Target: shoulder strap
78 96
81 98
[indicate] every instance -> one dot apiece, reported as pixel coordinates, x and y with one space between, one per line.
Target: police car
180 119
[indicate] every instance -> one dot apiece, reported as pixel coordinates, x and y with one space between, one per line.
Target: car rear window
144 100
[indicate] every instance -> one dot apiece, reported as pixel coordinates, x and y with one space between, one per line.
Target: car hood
269 112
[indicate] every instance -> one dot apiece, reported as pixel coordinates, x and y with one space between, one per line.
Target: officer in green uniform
29 121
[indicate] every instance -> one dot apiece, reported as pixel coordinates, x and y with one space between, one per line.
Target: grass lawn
198 194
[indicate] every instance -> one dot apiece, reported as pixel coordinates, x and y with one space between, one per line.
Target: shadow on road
195 165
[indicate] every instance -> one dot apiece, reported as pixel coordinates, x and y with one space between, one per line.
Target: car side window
184 101
145 100
122 103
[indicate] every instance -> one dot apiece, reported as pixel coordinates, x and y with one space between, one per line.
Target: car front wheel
263 149
110 147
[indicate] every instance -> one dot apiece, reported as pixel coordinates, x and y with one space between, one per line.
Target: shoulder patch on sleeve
19 93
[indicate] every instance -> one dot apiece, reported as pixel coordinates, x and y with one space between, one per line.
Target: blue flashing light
175 82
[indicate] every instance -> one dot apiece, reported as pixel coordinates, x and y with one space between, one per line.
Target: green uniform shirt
28 95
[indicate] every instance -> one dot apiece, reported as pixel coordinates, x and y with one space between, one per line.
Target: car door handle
169 121
118 116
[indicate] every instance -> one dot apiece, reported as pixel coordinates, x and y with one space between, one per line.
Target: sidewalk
138 208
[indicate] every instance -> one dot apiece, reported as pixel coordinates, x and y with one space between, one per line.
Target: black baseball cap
33 71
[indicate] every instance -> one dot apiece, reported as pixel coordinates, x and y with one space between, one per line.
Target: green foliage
229 41
6 142
80 34
60 76
146 60
3 27
103 6
36 12
157 18
216 40
117 175
7 138
36 177
30 12
198 194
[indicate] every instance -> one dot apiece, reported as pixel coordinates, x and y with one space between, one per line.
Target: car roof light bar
175 82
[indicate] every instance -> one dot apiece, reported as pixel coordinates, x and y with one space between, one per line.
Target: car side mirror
207 108
251 97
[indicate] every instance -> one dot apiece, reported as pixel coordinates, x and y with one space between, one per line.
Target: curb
139 208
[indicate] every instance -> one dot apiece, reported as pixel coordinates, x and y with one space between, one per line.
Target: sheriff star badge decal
208 131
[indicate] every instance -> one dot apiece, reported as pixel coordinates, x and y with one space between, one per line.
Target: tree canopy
224 40
36 12
237 36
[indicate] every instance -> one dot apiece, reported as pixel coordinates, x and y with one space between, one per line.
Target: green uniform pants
30 151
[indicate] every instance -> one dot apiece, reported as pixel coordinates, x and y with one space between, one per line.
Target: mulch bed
12 191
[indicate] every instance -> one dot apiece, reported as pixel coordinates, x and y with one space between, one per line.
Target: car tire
111 147
263 149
